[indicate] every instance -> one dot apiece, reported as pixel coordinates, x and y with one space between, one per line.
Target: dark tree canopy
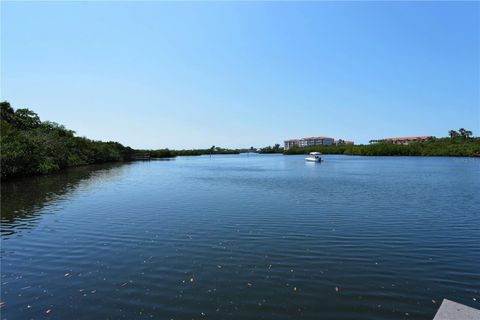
30 146
460 144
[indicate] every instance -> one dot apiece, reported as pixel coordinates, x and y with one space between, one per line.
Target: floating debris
249 284
433 301
337 289
66 274
48 311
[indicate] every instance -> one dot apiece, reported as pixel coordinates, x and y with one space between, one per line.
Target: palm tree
462 132
468 134
453 134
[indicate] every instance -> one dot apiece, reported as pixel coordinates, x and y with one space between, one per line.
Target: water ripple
237 237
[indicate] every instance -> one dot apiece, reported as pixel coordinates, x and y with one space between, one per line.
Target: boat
314 157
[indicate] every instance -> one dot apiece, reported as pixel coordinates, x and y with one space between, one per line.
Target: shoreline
111 163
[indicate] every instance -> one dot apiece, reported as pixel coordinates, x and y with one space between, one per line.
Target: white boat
314 157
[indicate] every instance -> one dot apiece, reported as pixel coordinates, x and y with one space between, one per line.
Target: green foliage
25 119
275 149
30 146
212 150
153 154
461 147
460 135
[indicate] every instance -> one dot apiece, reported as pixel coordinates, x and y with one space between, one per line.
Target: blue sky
232 74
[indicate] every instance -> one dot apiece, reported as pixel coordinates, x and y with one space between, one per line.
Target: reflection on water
22 199
243 237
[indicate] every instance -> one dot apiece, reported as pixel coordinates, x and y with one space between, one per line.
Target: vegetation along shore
456 145
30 146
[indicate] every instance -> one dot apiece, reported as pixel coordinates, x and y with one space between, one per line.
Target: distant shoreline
441 147
107 164
34 147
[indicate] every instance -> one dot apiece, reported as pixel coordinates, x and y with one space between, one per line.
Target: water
243 237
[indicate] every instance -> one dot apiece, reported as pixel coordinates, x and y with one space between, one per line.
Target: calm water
243 237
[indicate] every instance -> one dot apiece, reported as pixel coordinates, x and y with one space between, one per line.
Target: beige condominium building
403 140
309 141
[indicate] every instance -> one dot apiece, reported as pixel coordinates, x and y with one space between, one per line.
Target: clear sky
232 74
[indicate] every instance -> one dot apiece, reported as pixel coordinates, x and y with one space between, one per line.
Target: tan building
403 140
309 141
291 143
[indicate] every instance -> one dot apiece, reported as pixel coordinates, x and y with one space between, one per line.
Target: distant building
309 141
316 141
291 143
403 140
341 142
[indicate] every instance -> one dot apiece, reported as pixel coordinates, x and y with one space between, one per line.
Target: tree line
461 144
271 149
460 135
30 146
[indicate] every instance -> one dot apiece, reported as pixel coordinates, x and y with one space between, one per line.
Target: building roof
308 138
311 138
407 138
